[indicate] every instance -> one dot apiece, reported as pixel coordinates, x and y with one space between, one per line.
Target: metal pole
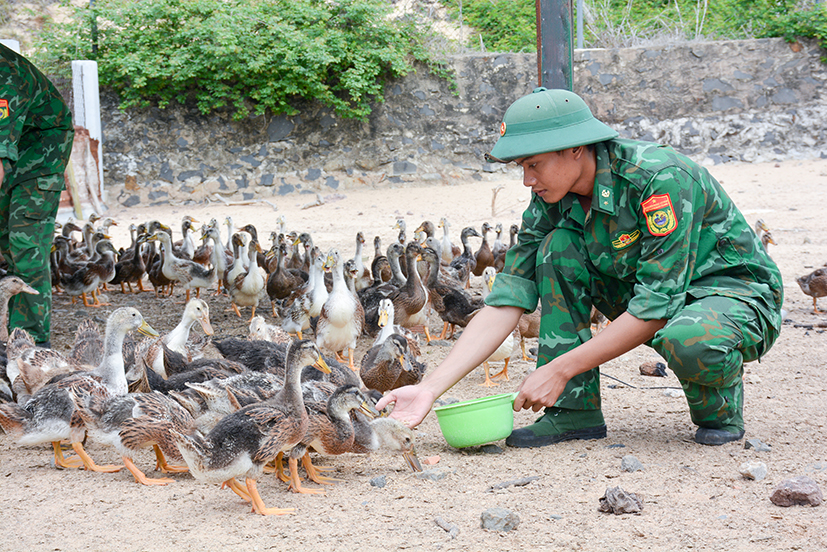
554 43
579 24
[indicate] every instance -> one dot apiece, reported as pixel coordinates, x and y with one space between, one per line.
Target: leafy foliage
247 55
510 24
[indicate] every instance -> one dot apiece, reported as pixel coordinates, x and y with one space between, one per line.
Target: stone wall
756 100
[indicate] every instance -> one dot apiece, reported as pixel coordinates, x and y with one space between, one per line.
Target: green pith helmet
544 121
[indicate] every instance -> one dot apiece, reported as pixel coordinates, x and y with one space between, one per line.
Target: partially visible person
644 235
36 135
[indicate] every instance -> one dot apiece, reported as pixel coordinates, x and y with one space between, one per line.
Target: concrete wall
756 100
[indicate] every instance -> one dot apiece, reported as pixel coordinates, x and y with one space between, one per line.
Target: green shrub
245 55
509 25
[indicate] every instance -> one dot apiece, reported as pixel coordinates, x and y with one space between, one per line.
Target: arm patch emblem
4 109
660 216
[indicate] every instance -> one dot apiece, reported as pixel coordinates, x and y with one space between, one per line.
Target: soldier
36 136
647 237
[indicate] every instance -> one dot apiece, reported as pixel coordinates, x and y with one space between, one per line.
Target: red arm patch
660 216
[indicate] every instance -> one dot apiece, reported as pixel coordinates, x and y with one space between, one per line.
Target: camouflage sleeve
13 106
671 218
515 285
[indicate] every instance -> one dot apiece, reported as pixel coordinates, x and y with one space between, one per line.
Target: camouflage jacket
36 129
658 221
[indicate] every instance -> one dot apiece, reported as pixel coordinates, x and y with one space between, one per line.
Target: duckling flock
228 409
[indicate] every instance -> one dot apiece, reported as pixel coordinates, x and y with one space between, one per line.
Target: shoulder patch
660 216
4 109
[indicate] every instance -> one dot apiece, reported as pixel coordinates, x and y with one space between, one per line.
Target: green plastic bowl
478 421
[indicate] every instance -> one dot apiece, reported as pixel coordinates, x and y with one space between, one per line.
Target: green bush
245 55
509 25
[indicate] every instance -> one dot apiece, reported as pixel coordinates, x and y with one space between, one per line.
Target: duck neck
111 369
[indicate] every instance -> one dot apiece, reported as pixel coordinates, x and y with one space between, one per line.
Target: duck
150 352
29 367
402 240
185 247
452 303
87 278
318 289
131 267
370 297
342 317
410 299
260 330
217 255
133 422
330 430
499 258
380 268
449 251
363 277
462 266
9 287
236 267
392 361
50 416
382 433
283 280
498 248
188 274
250 287
484 256
764 234
814 284
155 270
244 441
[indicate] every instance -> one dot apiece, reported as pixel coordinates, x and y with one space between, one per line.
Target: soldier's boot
718 412
559 424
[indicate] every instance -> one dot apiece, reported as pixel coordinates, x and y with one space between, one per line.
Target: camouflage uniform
36 136
662 240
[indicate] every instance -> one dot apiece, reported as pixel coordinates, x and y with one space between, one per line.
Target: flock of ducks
227 410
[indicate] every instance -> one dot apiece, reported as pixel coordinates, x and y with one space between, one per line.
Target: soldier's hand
411 404
542 387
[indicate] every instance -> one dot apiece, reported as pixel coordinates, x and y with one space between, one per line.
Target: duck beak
383 318
368 410
321 365
147 330
206 326
412 461
26 288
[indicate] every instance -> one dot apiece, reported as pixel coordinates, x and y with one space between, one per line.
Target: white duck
342 316
249 287
151 350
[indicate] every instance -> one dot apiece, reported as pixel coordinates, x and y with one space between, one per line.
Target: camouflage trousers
705 344
27 226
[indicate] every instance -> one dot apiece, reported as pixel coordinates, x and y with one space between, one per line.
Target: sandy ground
694 497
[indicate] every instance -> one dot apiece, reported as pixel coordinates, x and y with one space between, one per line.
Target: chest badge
625 240
660 216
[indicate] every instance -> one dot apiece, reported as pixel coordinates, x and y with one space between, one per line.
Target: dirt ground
694 497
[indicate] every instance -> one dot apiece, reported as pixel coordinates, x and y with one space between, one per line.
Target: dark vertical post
554 43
